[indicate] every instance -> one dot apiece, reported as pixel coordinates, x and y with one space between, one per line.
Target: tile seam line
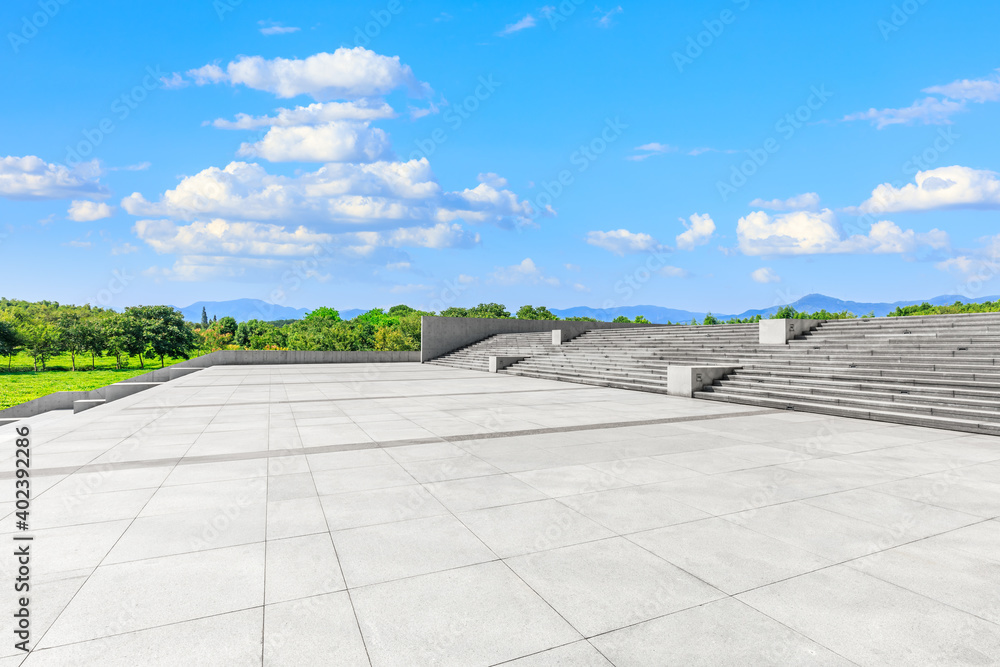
323 449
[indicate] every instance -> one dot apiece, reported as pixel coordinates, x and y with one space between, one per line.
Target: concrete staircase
476 357
940 371
637 358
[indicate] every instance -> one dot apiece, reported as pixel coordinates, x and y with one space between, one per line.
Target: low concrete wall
441 335
779 332
685 380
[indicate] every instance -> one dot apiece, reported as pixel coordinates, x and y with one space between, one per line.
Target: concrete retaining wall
441 335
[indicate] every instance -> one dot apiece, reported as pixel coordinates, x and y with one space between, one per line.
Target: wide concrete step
893 416
863 401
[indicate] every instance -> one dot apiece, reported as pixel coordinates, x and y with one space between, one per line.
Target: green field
23 384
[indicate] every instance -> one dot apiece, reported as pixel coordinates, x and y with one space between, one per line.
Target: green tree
455 311
710 319
227 326
42 342
532 313
494 310
95 340
257 335
639 319
204 318
164 331
10 335
72 334
325 314
621 319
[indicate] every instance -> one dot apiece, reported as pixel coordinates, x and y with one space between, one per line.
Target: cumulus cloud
765 275
88 211
622 241
952 98
344 74
699 231
527 22
401 193
317 113
808 201
340 141
944 187
979 265
31 177
525 273
817 232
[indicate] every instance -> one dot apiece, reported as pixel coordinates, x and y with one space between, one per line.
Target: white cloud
953 98
527 22
173 82
572 267
928 111
207 74
622 241
651 149
78 244
206 268
805 201
813 233
344 74
524 273
409 289
31 177
944 187
699 231
765 275
580 287
606 20
88 211
398 266
674 272
252 239
979 266
341 141
272 28
337 193
315 114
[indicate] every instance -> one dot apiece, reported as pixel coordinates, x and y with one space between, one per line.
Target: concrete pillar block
779 332
500 362
685 380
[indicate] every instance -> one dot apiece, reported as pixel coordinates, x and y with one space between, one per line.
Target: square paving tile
157 591
311 630
728 556
721 633
477 615
608 584
872 622
461 495
632 509
513 530
375 554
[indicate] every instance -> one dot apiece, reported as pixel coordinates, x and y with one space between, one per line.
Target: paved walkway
405 514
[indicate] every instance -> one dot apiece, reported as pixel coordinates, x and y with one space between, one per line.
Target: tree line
47 329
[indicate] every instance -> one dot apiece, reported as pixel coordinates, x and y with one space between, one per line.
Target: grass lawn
23 384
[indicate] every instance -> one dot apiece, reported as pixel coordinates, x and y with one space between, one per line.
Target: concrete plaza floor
406 514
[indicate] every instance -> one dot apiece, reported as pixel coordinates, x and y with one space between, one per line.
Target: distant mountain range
250 309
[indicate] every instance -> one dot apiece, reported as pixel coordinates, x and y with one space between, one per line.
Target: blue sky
699 155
